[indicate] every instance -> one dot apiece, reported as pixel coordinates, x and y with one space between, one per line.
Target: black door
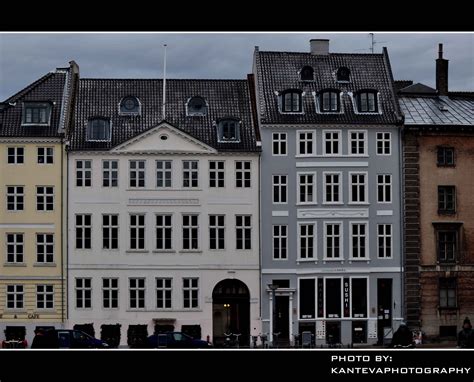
384 307
282 325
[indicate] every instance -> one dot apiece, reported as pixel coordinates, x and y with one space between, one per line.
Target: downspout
62 231
402 221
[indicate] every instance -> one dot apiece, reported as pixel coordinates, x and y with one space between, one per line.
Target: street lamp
273 288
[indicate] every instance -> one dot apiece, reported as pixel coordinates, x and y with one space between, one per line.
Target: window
243 174
306 188
307 298
15 155
163 173
329 101
44 296
445 156
243 231
343 74
358 187
110 173
367 102
44 248
359 241
110 230
163 293
384 143
216 231
190 173
332 143
306 241
190 232
447 246
280 189
83 173
36 113
279 143
280 242
130 105
446 199
137 293
306 143
190 293
45 155
307 73
333 235
216 173
333 298
447 292
83 293
15 247
357 142
332 187
197 106
83 231
15 198
137 173
98 130
137 231
45 198
15 296
291 101
384 188
164 231
110 291
384 240
359 297
228 130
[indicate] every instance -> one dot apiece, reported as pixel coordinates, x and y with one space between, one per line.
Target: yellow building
33 126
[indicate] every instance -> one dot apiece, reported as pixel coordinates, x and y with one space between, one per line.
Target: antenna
373 42
164 86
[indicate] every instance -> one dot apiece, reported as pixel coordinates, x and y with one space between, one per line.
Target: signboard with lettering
320 297
346 297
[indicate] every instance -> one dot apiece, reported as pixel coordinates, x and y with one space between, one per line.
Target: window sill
446 212
190 251
333 260
164 251
15 311
14 264
358 260
45 311
445 165
315 261
299 204
447 309
137 251
44 264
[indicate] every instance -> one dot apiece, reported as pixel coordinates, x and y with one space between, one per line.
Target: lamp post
273 288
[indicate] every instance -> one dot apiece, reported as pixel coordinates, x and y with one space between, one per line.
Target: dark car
176 340
14 338
66 339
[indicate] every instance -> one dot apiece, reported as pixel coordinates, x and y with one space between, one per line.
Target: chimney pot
319 47
441 73
440 51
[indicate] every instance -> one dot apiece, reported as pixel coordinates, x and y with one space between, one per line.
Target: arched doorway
231 311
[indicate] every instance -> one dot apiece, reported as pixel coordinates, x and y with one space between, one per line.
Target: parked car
14 338
176 340
66 339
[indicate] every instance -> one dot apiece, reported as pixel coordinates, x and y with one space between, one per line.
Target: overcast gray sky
27 56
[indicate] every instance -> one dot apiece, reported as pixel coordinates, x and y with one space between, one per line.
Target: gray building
330 206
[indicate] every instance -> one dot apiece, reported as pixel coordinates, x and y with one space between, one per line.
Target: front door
384 307
282 325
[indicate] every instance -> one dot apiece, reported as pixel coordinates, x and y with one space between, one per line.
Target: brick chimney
319 47
441 73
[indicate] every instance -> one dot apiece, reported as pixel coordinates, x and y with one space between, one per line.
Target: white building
163 215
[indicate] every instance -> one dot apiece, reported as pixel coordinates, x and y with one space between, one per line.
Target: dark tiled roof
278 71
101 97
49 88
418 89
400 84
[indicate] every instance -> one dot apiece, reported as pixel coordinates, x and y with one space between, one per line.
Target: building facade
163 216
330 173
33 124
439 205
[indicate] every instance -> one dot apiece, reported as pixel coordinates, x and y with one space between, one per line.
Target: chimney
441 73
319 47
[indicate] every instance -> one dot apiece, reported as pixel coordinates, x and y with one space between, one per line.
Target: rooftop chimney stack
441 73
319 47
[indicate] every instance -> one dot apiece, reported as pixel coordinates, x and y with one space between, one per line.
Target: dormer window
367 101
291 101
98 130
36 113
228 130
307 73
130 106
197 106
343 74
329 101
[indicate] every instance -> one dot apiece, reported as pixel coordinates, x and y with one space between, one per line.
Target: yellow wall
29 222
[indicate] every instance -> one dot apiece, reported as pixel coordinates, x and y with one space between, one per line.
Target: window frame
111 228
341 241
299 185
243 171
280 186
314 239
84 228
193 234
443 191
164 290
15 155
45 195
138 106
45 294
219 230
190 171
446 287
165 171
366 188
246 236
137 289
383 140
384 185
84 289
221 130
350 140
84 171
45 244
339 143
18 198
340 185
191 288
331 93
280 238
281 142
312 142
365 236
18 297
16 245
107 129
217 174
110 173
137 170
444 162
165 229
45 155
384 236
282 101
196 113
139 228
110 289
366 92
40 104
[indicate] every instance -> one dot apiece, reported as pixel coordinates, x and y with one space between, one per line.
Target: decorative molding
348 270
385 213
312 213
126 267
332 164
163 202
26 225
280 213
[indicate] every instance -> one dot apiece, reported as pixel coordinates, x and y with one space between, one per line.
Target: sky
24 57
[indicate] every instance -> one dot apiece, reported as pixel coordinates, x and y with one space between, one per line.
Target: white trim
314 185
15 155
384 184
315 241
384 236
279 140
310 213
383 140
137 289
341 241
339 142
367 249
132 113
349 145
82 170
343 270
137 171
317 101
110 289
280 238
313 143
280 213
340 185
332 164
110 170
366 187
26 225
45 163
280 185
385 213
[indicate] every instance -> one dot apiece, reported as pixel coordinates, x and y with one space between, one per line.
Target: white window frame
280 237
313 143
110 227
16 243
384 185
84 227
164 290
315 235
15 155
298 185
111 289
15 196
339 143
45 155
137 290
190 172
340 185
341 241
366 187
282 139
164 172
45 292
217 172
191 228
45 245
44 197
384 141
325 288
110 171
137 170
18 290
245 229
164 227
243 171
83 289
191 289
219 229
349 143
366 236
83 170
280 185
137 227
384 236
